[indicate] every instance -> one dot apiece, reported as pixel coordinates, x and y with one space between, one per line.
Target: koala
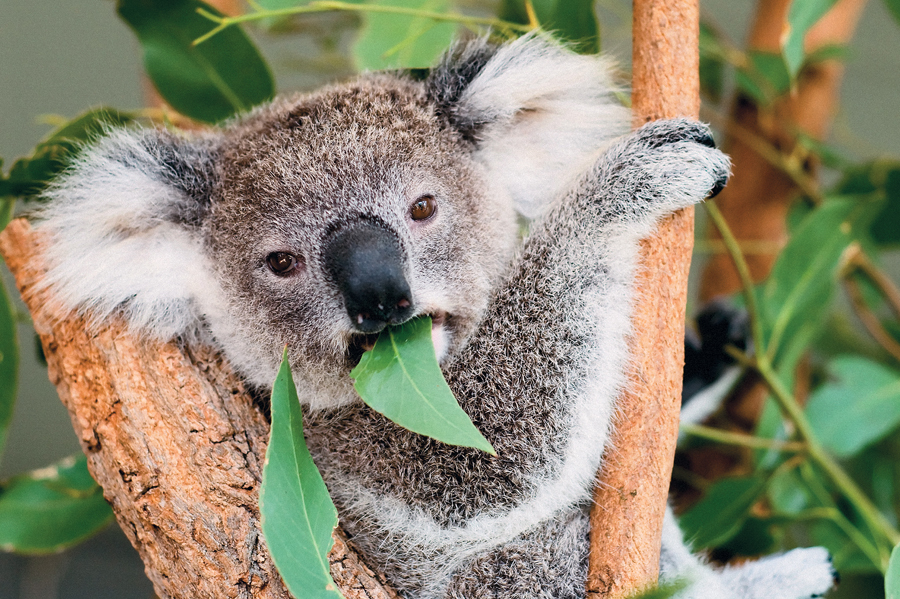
317 220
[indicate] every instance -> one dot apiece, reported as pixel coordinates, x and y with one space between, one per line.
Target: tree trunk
630 499
177 445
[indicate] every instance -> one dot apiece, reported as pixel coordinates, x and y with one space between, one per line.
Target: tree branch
630 498
177 445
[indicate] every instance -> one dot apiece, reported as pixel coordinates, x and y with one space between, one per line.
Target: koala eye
282 263
424 208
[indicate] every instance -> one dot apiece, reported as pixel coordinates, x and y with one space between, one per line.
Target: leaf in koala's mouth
401 379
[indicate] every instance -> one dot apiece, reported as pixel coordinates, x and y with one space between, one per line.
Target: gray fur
175 233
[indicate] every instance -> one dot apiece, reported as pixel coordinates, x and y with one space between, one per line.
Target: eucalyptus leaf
9 354
787 493
802 15
208 82
846 555
50 509
893 7
572 21
722 512
29 176
298 516
390 41
858 406
800 287
663 591
712 63
885 228
754 538
401 379
892 577
881 178
838 52
765 77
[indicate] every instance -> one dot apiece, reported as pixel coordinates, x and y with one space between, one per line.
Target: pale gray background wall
62 56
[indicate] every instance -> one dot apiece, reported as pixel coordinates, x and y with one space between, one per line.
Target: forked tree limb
177 445
630 497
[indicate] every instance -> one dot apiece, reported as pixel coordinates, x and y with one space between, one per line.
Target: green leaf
765 78
663 591
722 512
892 578
886 226
754 538
787 493
846 555
390 41
572 21
401 379
802 15
712 64
858 407
50 509
9 355
207 82
298 516
893 7
827 52
797 293
29 176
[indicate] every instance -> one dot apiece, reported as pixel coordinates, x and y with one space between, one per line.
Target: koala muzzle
365 261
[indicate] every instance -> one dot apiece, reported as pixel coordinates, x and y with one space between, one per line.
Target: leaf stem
333 5
834 515
740 264
847 486
742 440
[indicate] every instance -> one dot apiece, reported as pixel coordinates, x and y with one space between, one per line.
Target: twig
734 251
748 246
868 318
740 439
330 6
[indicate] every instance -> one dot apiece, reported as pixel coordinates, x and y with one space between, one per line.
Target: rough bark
757 198
630 498
177 445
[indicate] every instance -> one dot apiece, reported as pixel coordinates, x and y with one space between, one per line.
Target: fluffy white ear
123 226
536 111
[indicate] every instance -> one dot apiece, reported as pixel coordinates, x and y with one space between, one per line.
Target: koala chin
319 219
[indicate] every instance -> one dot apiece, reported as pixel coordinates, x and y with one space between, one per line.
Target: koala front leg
542 373
541 376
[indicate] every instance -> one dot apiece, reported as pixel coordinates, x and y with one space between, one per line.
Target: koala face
317 220
340 213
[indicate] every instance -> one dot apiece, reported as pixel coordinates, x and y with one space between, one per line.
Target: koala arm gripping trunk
549 360
539 378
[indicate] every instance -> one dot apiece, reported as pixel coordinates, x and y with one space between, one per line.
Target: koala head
319 219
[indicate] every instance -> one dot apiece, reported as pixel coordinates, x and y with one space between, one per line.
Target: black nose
366 263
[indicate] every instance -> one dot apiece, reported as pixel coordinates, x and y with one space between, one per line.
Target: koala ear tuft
535 111
123 225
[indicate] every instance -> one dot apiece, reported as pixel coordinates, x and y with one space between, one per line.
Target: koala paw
663 166
798 574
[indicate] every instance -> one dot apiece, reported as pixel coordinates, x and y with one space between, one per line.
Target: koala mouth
363 342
